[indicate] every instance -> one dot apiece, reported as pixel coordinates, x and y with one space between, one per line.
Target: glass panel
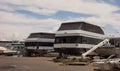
77 39
92 28
71 26
42 35
81 25
38 44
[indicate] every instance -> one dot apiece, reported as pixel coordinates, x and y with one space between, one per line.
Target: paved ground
36 64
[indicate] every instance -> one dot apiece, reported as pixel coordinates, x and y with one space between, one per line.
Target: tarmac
37 64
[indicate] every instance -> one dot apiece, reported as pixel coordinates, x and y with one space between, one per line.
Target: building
39 43
75 38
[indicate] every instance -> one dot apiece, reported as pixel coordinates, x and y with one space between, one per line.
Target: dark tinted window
67 39
70 26
115 42
89 40
77 39
112 42
81 25
92 28
42 35
38 44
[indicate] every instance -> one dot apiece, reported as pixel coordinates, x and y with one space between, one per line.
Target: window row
77 39
81 25
114 42
38 44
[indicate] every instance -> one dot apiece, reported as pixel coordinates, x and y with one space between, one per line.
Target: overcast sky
19 18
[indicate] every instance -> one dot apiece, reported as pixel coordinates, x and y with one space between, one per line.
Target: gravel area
37 64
